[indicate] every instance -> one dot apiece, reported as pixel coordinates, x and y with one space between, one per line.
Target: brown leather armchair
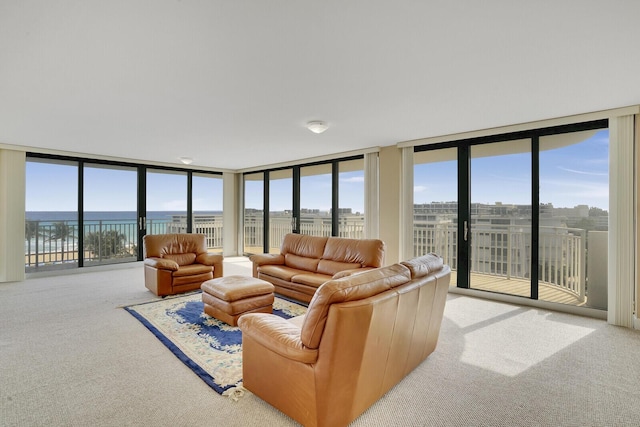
362 334
176 263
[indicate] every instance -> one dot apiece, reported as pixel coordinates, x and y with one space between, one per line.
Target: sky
569 176
574 175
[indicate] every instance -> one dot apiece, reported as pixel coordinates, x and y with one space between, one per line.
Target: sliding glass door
500 217
83 212
166 202
435 209
51 227
316 200
321 199
110 218
574 226
529 212
281 218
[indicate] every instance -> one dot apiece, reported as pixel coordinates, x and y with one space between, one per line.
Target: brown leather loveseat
306 262
176 263
362 334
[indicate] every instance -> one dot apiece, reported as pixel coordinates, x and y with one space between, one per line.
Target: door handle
466 230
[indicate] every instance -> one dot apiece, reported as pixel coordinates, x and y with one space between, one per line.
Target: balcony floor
519 287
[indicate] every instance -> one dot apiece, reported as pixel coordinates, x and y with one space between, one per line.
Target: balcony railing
499 250
505 251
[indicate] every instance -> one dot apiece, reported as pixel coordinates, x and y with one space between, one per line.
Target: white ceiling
231 83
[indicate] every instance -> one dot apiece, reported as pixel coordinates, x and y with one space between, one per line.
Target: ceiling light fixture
317 126
186 160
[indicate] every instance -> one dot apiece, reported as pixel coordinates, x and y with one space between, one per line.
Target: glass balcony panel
500 226
316 200
253 213
574 201
110 228
280 207
51 226
207 197
435 208
166 202
351 199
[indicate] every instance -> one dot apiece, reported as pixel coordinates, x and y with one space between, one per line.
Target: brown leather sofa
362 334
176 263
306 262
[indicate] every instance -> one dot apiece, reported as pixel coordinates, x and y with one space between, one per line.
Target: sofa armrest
265 259
278 335
214 260
161 263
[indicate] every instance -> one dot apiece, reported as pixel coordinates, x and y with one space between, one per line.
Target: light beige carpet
69 356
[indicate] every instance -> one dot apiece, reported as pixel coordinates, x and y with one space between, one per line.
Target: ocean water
125 222
56 216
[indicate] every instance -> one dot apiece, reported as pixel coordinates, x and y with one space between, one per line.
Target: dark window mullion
80 214
142 209
335 214
265 213
296 199
535 214
189 202
464 215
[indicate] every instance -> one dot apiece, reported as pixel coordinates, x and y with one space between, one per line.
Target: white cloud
584 172
356 179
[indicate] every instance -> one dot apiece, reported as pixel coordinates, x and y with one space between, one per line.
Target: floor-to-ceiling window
322 199
574 228
435 209
82 212
253 213
51 227
206 190
281 217
316 200
166 202
351 199
528 212
500 216
110 219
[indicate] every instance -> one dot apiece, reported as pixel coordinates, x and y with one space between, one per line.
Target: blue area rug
211 348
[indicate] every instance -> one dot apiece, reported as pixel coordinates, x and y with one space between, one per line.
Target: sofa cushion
358 286
303 245
311 279
182 259
366 252
191 269
280 271
329 267
300 262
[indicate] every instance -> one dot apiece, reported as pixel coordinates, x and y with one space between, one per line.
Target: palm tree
106 244
61 231
31 231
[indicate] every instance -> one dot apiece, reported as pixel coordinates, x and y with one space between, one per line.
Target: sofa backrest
303 245
341 254
351 288
329 255
181 248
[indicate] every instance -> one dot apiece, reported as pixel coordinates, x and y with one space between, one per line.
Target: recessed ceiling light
317 126
186 160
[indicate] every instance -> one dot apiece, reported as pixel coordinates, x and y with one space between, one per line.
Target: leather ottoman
228 298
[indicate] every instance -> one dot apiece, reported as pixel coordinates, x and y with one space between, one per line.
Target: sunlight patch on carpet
509 339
